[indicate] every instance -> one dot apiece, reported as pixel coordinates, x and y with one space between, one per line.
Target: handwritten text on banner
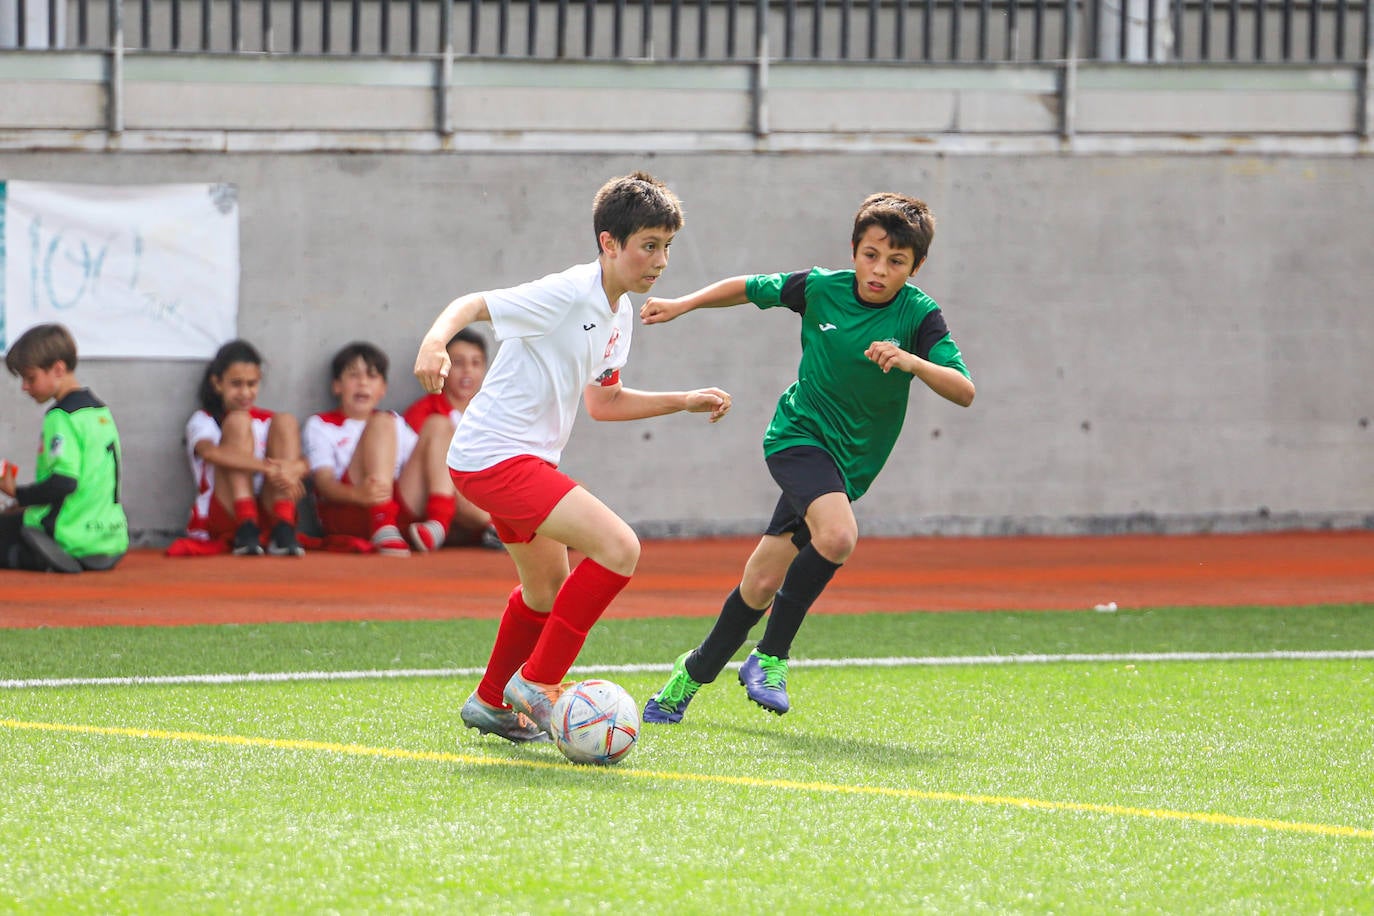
134 271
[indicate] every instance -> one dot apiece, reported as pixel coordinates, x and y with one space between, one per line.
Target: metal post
115 88
1366 116
646 30
1069 78
761 74
443 116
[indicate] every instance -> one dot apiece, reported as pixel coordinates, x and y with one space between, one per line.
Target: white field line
927 661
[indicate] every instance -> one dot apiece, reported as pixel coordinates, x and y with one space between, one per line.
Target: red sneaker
427 535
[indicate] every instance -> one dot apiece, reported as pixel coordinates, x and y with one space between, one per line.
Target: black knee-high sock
720 645
806 578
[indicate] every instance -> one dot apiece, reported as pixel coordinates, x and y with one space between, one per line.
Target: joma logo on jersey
826 327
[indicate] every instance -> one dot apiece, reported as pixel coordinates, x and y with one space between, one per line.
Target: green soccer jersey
80 441
841 401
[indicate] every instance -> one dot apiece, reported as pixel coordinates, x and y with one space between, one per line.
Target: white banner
134 271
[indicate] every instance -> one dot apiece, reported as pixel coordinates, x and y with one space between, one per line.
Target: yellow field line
392 753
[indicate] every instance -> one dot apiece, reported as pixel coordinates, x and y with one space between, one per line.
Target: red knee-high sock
441 509
285 511
383 514
246 510
515 638
581 601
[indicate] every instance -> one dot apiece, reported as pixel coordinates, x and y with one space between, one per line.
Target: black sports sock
720 645
806 578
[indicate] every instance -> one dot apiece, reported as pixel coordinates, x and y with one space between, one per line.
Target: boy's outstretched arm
615 402
718 294
432 363
950 384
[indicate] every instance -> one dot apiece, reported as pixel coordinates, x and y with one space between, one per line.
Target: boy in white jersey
361 457
562 338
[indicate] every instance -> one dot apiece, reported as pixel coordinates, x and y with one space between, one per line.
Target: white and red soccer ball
595 721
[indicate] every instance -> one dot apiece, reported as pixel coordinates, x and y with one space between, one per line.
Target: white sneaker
534 700
388 542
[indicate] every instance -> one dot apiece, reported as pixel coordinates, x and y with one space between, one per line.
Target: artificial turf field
1161 760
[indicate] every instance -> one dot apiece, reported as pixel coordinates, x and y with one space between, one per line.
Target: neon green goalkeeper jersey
841 401
80 441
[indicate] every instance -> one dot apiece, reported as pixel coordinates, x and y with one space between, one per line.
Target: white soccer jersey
330 438
201 428
556 336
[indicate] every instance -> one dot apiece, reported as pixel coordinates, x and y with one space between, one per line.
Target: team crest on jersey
55 447
610 344
894 341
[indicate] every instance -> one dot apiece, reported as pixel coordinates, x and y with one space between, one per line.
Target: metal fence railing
929 31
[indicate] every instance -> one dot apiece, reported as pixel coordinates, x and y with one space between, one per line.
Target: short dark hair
468 335
235 351
370 354
632 202
40 347
907 221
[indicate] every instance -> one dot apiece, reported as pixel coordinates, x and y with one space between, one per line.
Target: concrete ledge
502 103
952 526
958 526
95 139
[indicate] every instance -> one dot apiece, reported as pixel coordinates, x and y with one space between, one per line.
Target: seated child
453 521
70 518
359 455
246 461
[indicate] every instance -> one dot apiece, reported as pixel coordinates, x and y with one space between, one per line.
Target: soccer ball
595 721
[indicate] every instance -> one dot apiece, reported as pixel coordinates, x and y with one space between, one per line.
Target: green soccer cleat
668 705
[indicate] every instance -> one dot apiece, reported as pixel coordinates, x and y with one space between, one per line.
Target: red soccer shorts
519 493
355 520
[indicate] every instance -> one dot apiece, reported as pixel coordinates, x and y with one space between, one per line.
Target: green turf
1081 787
128 651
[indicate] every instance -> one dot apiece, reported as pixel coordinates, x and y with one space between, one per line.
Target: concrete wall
1159 342
1160 277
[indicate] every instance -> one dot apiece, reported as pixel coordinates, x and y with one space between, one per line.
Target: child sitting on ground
71 518
469 524
246 461
368 484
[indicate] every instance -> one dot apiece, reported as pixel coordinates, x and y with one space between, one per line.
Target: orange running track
691 578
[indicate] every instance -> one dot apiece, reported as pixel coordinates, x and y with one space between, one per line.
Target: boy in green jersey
831 433
71 517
